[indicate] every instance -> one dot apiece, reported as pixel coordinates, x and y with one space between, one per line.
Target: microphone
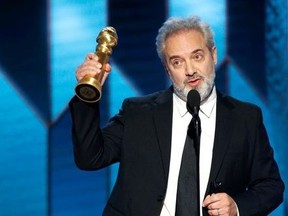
193 102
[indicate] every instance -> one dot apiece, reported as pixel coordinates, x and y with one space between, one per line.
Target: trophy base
88 89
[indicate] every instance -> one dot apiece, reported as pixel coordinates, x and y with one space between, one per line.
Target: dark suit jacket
139 137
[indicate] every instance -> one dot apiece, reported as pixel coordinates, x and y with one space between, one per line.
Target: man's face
189 63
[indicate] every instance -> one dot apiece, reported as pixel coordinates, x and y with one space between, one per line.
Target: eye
177 63
198 57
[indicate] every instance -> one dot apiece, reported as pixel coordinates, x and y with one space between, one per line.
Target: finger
91 56
206 201
93 63
105 75
92 71
91 68
107 68
86 71
211 199
214 212
215 205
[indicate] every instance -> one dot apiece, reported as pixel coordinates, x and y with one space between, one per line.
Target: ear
214 54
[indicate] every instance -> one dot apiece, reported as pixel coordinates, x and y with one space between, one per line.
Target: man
148 136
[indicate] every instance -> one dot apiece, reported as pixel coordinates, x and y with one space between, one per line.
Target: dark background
41 44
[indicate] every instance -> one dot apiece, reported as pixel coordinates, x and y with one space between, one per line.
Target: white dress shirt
181 119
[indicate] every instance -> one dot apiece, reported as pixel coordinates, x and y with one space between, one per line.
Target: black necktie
187 203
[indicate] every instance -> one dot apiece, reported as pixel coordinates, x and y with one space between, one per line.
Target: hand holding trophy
89 87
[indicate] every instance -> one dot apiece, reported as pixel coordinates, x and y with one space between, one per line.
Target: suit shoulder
144 98
147 101
240 105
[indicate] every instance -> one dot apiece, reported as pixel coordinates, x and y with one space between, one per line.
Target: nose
190 69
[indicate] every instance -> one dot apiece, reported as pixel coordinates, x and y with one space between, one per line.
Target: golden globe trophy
89 88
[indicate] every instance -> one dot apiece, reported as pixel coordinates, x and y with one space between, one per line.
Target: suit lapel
163 126
224 120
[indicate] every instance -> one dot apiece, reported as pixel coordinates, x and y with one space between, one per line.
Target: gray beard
204 89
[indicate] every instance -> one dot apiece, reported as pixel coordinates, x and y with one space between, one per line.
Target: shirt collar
180 105
206 108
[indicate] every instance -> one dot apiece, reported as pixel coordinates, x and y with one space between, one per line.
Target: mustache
195 75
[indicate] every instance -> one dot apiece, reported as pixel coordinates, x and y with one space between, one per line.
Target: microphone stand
196 138
193 106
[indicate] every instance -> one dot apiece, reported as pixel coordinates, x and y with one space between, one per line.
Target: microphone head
193 102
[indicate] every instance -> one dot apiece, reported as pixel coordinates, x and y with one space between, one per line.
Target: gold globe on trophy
89 88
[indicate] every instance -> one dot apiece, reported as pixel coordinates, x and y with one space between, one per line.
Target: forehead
185 40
